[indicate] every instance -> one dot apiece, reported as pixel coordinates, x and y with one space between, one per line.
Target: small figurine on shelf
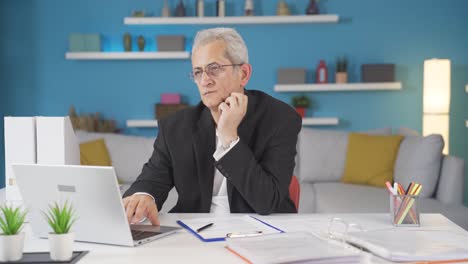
312 8
322 73
282 9
165 12
200 8
341 75
180 9
300 103
141 43
249 8
221 8
127 42
138 13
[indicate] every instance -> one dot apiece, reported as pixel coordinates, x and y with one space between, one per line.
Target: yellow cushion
370 159
94 153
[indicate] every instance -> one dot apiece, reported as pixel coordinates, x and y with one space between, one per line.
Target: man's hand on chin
232 111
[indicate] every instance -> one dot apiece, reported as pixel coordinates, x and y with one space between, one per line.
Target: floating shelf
126 55
142 123
331 87
322 121
231 20
329 121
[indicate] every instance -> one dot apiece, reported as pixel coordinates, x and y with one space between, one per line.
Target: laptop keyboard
139 235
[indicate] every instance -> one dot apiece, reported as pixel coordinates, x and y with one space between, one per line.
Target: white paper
413 245
224 225
293 247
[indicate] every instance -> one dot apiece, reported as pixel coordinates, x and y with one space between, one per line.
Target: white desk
184 247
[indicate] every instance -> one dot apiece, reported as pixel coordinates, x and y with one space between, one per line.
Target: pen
204 227
244 234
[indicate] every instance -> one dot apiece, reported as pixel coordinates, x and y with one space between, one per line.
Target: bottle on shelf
200 8
312 8
141 43
127 42
341 75
165 12
221 8
249 8
322 73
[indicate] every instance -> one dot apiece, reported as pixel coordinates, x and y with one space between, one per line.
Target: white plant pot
11 247
61 246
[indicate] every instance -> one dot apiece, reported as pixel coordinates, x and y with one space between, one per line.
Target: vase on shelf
141 43
249 8
200 8
127 42
282 9
312 8
180 9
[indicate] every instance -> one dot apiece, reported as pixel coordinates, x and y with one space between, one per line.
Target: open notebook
295 247
413 245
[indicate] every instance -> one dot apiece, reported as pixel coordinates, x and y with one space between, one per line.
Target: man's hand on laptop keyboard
138 206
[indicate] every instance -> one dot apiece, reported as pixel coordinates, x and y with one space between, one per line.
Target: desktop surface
184 247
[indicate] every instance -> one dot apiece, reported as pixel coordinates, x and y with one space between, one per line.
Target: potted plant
301 102
61 218
11 239
341 75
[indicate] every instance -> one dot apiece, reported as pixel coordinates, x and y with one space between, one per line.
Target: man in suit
233 152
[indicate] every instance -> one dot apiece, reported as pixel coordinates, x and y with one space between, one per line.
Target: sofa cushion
329 197
419 160
94 153
322 153
370 159
128 153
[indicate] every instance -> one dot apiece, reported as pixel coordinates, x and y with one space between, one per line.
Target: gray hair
236 50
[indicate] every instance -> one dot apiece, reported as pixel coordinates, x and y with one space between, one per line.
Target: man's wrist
227 141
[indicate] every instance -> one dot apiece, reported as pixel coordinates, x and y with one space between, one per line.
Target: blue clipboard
218 239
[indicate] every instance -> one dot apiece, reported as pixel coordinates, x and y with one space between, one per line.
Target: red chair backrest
295 191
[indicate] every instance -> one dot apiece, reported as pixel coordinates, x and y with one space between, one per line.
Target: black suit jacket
258 168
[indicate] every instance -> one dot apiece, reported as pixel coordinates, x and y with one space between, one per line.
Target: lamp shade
436 95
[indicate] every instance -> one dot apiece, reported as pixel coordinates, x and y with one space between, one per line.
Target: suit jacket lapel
245 130
204 145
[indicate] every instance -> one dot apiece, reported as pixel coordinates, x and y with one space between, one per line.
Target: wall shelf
142 123
332 87
231 20
320 121
126 55
315 121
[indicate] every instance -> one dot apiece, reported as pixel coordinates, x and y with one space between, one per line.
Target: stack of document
296 247
413 245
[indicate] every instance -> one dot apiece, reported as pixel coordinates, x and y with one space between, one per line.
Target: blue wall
37 80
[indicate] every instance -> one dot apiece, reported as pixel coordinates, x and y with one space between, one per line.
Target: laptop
94 193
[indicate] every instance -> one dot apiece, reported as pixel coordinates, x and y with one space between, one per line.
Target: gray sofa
321 162
320 165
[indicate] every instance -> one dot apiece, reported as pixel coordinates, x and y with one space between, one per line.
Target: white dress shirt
220 201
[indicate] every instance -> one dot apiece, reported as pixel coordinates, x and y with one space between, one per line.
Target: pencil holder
404 210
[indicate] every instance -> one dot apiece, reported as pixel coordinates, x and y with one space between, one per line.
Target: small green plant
341 65
12 221
300 101
60 217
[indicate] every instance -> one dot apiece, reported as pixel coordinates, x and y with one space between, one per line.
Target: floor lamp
436 99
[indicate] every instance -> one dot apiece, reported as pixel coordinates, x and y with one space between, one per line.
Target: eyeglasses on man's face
212 70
